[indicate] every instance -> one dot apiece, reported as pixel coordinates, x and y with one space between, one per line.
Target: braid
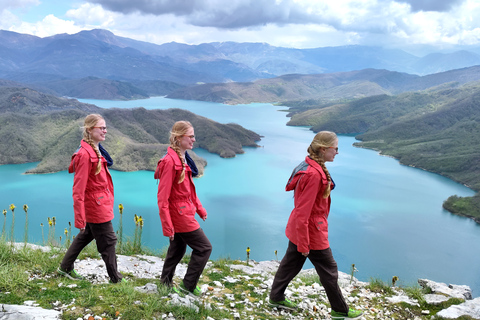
178 130
323 139
176 148
90 121
99 164
314 156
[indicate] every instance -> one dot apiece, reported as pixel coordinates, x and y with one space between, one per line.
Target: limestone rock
469 308
454 291
17 312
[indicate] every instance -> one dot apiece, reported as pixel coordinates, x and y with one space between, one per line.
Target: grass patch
379 286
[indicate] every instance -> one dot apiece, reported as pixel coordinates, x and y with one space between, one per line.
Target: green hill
36 127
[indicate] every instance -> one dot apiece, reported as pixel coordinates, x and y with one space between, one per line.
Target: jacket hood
92 154
176 162
299 170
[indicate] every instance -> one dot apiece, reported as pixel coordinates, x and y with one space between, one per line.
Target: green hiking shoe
121 281
196 292
352 314
72 274
285 304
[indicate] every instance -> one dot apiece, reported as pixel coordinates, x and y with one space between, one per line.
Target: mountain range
46 62
325 87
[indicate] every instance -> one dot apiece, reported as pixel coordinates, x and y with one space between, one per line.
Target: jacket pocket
185 208
104 198
320 225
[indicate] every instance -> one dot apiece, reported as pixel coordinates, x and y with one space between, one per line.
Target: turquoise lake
385 218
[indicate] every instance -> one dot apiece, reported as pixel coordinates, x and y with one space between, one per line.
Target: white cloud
9 19
289 23
50 25
438 28
93 15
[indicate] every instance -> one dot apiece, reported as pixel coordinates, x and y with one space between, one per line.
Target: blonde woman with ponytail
92 200
307 228
178 203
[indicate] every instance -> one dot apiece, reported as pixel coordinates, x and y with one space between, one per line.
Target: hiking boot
72 274
285 304
352 314
196 292
123 280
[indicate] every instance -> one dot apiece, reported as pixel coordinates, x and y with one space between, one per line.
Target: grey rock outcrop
451 290
17 312
469 308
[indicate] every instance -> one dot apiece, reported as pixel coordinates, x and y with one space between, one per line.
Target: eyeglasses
102 128
336 149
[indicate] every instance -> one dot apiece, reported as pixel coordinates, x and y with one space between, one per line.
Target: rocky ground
251 303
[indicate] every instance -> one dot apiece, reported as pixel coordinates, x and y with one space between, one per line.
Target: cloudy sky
289 23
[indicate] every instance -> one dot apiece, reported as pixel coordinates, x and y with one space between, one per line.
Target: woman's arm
305 195
80 181
166 171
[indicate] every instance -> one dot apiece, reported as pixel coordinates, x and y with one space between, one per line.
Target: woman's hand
305 254
171 237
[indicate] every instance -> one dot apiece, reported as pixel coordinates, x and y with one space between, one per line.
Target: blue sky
37 12
407 24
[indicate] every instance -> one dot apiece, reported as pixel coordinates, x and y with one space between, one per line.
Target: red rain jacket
177 202
92 194
307 226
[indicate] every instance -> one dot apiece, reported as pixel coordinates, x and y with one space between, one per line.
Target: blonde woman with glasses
307 228
178 203
92 200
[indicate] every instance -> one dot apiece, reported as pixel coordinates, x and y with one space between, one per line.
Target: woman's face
331 152
186 141
98 132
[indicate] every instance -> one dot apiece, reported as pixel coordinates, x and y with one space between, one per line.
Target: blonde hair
179 129
90 121
323 139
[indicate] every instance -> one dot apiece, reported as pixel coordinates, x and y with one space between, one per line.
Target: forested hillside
35 127
437 130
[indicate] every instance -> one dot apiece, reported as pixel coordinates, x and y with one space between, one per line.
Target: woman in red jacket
92 200
307 228
178 203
